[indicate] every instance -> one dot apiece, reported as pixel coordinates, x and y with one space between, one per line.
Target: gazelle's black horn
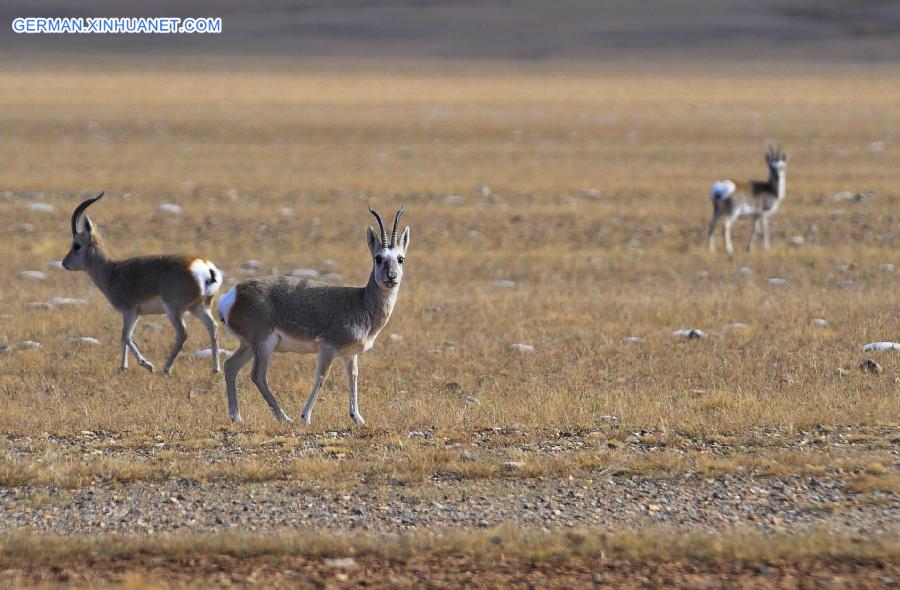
396 223
79 210
380 225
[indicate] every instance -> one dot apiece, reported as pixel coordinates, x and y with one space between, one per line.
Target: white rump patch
225 303
208 277
721 189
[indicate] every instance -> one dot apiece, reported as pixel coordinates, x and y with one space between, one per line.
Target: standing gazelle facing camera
144 285
290 314
756 198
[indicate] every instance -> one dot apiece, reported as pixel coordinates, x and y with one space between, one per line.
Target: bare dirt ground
562 211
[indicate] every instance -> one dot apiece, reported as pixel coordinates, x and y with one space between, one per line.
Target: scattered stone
483 523
207 353
41 208
514 465
67 301
607 418
469 456
416 434
504 284
887 267
252 265
820 322
777 282
39 305
171 208
521 347
4 348
844 283
472 400
452 386
340 563
30 344
736 326
33 275
86 340
395 338
484 191
797 241
870 366
305 273
358 511
745 270
881 346
877 146
153 326
591 193
690 334
702 274
332 276
630 340
453 200
286 211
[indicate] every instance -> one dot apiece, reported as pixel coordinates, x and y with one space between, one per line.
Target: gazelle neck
777 182
98 265
379 303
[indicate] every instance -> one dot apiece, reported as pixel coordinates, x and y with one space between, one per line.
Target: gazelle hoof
149 367
357 418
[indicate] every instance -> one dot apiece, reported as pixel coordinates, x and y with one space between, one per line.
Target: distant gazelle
755 198
289 314
146 285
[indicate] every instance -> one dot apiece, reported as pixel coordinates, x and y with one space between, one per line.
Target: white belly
290 344
151 307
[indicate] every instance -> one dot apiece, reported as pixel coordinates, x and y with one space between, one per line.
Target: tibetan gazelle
758 199
289 314
144 285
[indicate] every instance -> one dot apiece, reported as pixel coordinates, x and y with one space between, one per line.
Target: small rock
305 273
469 456
483 523
4 348
484 191
40 305
504 284
67 301
521 347
33 275
472 400
881 346
207 353
797 241
153 326
340 563
452 386
171 208
690 334
453 200
359 511
591 193
871 367
877 146
820 322
777 282
416 434
395 338
736 326
41 208
252 265
844 283
86 340
887 267
746 270
30 344
514 465
286 211
630 340
332 276
607 418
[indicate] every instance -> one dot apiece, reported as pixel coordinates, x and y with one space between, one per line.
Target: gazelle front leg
323 364
263 353
177 319
232 367
351 368
129 321
765 230
753 227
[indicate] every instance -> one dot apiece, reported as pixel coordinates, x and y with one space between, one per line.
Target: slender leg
177 319
729 247
323 364
233 366
129 322
203 314
710 236
262 355
753 227
351 368
765 228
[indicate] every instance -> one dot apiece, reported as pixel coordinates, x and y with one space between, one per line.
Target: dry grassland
596 211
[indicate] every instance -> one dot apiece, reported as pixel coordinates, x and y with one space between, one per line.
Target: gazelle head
84 238
387 257
776 160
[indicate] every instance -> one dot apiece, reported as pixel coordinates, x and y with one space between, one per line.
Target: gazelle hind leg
323 364
726 229
201 311
711 233
177 319
262 355
233 366
765 232
753 227
351 368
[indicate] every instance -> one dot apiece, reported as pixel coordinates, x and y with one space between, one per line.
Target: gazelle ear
85 225
373 241
404 239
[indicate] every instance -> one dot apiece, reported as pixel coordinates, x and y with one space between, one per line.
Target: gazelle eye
400 259
379 259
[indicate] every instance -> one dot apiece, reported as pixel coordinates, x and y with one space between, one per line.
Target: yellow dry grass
235 148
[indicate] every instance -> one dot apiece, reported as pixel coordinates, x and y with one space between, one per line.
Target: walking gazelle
289 314
145 285
758 199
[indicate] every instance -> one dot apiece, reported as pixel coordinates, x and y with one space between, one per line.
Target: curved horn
381 225
394 231
79 210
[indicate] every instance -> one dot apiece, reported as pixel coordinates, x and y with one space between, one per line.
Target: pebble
881 346
797 241
340 563
690 334
472 400
484 523
30 344
90 340
591 193
469 456
630 340
41 208
153 326
820 322
206 353
453 200
33 275
777 282
504 284
67 301
332 276
736 326
395 338
171 208
522 347
887 267
514 465
305 273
